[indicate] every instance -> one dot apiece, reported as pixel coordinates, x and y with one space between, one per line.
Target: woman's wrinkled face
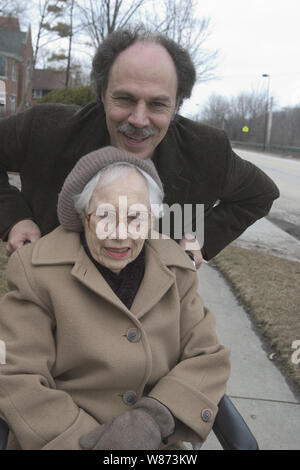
119 220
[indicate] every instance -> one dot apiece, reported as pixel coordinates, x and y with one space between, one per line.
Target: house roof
11 43
11 38
48 79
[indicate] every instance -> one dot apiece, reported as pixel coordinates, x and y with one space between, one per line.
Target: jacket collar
62 247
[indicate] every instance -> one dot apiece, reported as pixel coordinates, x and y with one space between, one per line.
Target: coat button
206 415
133 335
129 398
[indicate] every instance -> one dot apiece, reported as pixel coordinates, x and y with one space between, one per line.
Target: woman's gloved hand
144 427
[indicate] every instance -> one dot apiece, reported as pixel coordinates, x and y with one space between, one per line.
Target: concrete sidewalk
256 387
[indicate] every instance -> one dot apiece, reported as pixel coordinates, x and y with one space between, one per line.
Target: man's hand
24 230
190 243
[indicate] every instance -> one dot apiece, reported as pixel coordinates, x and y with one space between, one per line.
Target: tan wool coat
76 356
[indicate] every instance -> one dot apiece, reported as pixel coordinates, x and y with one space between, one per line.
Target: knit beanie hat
84 170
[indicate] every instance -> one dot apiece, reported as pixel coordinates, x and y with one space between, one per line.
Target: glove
142 428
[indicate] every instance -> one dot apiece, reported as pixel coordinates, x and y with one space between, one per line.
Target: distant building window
28 71
2 97
14 70
13 104
3 66
37 93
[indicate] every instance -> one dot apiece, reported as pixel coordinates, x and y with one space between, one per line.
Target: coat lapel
61 247
156 282
87 273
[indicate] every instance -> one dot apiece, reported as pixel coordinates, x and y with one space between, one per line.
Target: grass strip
268 287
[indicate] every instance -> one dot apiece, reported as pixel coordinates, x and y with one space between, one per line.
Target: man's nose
139 115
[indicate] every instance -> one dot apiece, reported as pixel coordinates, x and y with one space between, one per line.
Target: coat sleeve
247 195
193 388
14 132
39 415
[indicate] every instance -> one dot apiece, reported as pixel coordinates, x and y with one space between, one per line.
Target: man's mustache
132 131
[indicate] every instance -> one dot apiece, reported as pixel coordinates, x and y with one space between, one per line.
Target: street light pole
268 117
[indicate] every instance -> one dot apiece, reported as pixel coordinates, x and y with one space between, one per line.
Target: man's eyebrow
124 92
164 98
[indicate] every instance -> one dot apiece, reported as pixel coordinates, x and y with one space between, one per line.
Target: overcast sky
253 37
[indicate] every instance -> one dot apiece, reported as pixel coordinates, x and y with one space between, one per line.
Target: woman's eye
106 215
130 218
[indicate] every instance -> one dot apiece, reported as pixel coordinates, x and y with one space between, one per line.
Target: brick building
16 57
45 81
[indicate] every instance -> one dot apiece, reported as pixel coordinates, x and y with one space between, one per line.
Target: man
141 81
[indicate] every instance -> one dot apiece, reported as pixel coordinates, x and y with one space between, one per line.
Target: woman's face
119 220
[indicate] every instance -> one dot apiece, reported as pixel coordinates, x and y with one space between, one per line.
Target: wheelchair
229 427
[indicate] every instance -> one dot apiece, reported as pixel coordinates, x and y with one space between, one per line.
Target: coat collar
61 247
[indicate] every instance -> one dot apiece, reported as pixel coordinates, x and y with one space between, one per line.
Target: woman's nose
120 231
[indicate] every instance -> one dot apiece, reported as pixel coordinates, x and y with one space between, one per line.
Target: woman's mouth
117 252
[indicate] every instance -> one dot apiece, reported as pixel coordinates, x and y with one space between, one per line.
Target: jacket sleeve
247 195
14 132
193 388
39 415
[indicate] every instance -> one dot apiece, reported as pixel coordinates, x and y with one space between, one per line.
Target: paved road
286 174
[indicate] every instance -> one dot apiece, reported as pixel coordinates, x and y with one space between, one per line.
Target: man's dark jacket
195 162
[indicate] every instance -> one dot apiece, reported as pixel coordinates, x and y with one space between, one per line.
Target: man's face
119 220
140 99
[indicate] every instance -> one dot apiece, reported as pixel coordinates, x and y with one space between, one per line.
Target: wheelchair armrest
231 429
3 434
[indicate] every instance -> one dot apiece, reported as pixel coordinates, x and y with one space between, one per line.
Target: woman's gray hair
82 200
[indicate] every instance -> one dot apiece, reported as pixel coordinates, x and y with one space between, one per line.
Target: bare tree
65 29
99 18
247 110
249 105
244 111
286 125
178 20
49 12
13 8
216 111
175 18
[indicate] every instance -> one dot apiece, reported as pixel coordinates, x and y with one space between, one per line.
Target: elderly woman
108 345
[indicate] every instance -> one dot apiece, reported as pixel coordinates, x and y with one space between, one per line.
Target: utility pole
268 115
